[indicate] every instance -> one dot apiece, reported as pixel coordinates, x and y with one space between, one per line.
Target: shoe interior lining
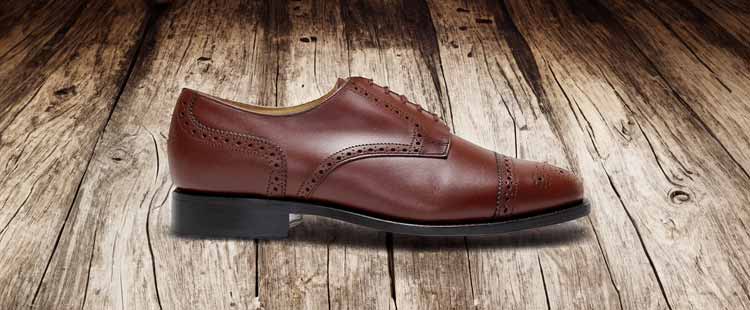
278 111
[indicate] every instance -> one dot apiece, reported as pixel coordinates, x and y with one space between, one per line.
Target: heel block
213 216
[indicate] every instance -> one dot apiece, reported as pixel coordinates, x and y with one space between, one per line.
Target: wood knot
118 155
309 39
70 90
679 196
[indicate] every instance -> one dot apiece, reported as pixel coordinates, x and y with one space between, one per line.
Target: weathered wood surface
63 66
648 100
495 106
393 43
118 240
324 264
676 182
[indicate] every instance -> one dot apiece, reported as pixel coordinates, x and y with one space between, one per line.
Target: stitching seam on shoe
275 156
499 186
352 153
417 135
505 186
509 205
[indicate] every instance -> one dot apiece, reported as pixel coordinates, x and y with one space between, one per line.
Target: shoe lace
403 99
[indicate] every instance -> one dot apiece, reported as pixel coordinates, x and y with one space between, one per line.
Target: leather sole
217 216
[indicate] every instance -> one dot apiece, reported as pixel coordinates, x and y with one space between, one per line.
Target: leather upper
363 149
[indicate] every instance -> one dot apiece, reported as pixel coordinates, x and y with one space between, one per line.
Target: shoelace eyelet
403 98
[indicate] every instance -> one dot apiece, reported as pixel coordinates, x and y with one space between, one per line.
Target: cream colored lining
277 111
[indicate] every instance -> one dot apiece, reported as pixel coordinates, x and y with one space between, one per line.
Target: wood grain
325 264
647 100
64 64
677 37
116 250
499 103
732 15
393 43
637 129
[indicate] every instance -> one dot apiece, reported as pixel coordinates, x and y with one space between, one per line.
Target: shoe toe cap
539 187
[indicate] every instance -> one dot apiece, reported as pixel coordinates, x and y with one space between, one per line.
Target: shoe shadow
317 230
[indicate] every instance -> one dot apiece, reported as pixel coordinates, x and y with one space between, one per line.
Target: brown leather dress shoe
361 154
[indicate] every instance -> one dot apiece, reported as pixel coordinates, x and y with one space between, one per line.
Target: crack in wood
426 52
391 268
648 140
544 282
55 45
606 262
502 100
522 54
88 270
60 232
328 274
148 225
690 110
134 53
588 129
429 49
620 29
20 206
638 233
687 46
468 265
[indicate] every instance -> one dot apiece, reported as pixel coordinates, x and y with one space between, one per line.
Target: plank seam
684 103
638 233
146 28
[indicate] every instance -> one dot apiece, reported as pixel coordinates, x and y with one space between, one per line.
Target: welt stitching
278 175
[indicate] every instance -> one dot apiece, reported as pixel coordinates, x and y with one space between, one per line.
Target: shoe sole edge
208 215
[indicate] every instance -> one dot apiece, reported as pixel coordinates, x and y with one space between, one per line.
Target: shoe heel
227 217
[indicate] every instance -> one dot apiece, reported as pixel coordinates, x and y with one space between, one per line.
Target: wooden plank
732 15
32 46
393 42
497 89
677 37
655 127
325 264
64 64
677 184
116 250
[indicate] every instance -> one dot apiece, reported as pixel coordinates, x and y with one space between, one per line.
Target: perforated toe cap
526 187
